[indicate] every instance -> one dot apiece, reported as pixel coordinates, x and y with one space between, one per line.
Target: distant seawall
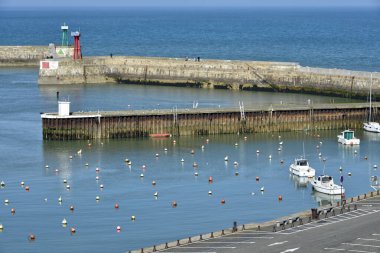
218 74
28 56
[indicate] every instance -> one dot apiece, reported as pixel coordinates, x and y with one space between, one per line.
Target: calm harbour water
24 155
324 38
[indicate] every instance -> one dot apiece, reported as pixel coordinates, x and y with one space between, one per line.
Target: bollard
212 235
309 218
348 208
358 197
274 228
365 195
234 228
222 231
355 207
243 227
178 243
337 203
142 250
352 199
166 245
301 221
378 192
258 228
154 248
371 194
189 240
200 237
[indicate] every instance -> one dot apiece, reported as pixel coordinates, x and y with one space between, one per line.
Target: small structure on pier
77 50
65 38
63 108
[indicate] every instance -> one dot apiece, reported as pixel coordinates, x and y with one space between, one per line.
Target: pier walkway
353 227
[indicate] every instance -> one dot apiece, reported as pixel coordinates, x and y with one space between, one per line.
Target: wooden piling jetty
143 123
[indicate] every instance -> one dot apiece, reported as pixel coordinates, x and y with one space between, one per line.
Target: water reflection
323 199
299 182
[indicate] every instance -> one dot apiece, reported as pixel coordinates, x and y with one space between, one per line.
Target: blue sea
320 37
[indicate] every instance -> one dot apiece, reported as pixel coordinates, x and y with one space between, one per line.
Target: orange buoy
72 230
174 204
279 198
210 179
116 205
257 179
71 208
13 211
27 188
32 237
222 201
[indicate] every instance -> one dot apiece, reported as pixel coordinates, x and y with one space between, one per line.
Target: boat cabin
301 162
325 179
348 135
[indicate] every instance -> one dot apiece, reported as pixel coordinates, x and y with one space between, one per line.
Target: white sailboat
325 184
300 167
371 126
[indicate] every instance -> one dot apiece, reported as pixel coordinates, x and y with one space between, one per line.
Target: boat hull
335 190
373 127
302 171
348 142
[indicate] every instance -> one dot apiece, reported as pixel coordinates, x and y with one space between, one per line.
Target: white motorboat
301 168
347 137
325 184
371 126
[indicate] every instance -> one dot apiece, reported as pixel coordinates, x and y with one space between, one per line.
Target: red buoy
257 179
222 201
174 204
32 237
71 208
116 205
27 188
13 211
279 198
72 230
210 179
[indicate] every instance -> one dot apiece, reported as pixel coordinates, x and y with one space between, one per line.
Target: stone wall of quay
222 74
134 124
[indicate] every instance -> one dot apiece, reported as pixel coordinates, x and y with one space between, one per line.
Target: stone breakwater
219 74
30 56
16 56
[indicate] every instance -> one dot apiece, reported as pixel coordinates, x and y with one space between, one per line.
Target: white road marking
225 242
206 247
192 251
277 243
375 234
289 250
350 250
250 237
366 239
358 244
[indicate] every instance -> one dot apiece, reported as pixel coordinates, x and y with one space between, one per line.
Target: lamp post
341 189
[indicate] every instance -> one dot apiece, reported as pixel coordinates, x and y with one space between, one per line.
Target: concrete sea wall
222 74
19 56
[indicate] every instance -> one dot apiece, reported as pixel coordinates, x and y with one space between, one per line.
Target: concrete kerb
265 227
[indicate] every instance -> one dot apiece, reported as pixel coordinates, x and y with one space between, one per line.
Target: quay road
354 228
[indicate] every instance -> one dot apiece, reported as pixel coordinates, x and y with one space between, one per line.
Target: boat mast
370 100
